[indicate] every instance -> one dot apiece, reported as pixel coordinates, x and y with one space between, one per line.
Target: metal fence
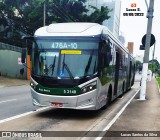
10 61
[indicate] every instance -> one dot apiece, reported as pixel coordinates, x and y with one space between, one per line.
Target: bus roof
76 29
70 29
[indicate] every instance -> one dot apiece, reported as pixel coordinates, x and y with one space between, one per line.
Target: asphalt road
52 120
14 101
17 100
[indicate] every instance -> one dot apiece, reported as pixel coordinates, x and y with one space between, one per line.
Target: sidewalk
7 82
140 115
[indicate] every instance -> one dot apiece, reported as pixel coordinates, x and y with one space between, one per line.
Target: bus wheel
123 91
123 88
108 99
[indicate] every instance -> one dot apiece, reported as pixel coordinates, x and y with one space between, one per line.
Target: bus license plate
55 104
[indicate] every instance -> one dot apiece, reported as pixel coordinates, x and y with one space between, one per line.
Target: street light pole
147 49
153 58
44 13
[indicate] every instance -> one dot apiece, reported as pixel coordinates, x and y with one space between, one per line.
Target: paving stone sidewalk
7 82
141 115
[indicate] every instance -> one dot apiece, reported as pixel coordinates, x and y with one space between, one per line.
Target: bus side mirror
28 44
23 56
27 37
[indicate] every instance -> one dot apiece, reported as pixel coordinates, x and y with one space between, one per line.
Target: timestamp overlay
133 11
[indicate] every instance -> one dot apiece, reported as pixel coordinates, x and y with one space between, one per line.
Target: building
113 23
130 47
122 39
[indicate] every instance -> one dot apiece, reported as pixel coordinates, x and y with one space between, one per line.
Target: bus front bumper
85 101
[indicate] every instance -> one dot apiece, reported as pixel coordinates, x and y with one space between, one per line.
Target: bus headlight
32 84
89 87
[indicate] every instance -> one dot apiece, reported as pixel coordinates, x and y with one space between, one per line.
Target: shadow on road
68 114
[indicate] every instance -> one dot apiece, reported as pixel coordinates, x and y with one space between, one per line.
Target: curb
104 124
11 82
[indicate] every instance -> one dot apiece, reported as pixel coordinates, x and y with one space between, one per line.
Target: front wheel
108 101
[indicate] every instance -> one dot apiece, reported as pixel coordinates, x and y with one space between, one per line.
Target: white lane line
115 118
7 101
22 115
1 86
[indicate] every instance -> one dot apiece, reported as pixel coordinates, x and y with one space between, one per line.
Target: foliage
153 65
138 63
158 72
99 15
20 17
23 17
158 80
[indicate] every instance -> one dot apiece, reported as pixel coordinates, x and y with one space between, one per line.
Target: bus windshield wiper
47 70
88 64
66 67
53 65
95 64
40 66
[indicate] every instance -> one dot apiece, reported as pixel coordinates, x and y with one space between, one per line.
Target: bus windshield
64 58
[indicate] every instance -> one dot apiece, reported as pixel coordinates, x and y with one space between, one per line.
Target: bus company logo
133 10
44 90
6 134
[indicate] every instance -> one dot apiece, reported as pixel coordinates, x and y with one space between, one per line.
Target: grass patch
158 80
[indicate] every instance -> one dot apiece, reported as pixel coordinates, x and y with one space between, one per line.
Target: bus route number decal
70 91
64 45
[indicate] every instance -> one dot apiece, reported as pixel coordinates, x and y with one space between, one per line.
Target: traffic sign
151 42
142 47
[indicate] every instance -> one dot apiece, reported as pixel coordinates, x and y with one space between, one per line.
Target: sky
135 27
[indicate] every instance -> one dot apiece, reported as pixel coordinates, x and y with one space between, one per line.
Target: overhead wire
62 12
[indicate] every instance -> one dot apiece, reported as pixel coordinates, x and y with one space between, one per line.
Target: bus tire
123 90
108 99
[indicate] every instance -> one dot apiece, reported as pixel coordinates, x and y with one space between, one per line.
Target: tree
153 65
20 17
138 64
23 17
99 15
76 11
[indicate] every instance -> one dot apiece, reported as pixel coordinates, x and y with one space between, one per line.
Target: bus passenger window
109 54
106 55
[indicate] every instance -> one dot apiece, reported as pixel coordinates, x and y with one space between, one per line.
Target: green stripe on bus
58 91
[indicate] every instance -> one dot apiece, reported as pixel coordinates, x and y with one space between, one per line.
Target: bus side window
106 55
109 53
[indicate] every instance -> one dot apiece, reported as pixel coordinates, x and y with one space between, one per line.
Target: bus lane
65 123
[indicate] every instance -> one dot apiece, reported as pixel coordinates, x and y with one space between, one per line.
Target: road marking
115 118
2 86
22 115
8 101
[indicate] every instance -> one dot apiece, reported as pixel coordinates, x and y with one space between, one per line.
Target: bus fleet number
70 91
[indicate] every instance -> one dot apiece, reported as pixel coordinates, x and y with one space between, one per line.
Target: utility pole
44 13
153 57
147 49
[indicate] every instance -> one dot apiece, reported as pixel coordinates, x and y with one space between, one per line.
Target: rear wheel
123 91
123 88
